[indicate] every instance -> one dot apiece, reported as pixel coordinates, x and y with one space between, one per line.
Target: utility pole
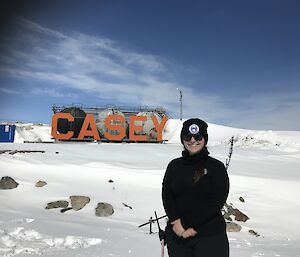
180 99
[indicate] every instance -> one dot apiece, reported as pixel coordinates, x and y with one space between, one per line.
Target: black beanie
200 123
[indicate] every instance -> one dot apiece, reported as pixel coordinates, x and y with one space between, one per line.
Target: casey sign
89 122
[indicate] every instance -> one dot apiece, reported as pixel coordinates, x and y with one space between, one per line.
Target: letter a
89 120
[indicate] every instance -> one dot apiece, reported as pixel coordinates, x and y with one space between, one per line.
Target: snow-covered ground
264 170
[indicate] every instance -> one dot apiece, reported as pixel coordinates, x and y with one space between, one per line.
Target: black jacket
199 204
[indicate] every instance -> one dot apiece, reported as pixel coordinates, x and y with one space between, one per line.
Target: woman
195 188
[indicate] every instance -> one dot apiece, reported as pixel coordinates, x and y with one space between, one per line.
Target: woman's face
194 146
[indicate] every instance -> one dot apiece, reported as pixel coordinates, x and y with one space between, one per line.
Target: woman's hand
189 232
177 227
180 231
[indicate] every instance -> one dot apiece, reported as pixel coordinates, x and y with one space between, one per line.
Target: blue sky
237 62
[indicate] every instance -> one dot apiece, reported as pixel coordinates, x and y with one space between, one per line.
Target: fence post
150 225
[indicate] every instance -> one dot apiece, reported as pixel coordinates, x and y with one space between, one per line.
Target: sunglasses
188 137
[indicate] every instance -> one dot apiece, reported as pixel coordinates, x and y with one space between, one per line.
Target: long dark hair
199 159
201 171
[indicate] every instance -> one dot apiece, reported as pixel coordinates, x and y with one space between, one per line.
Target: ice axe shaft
161 235
162 248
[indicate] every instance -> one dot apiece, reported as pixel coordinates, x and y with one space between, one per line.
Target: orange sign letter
89 120
159 127
132 128
110 126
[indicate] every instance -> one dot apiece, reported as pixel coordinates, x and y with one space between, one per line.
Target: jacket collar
195 158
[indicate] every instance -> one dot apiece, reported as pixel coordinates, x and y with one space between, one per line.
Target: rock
230 209
227 216
239 216
104 210
233 227
8 183
57 204
242 199
40 183
110 181
252 232
78 202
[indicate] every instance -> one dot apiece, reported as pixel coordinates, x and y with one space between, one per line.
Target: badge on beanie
194 129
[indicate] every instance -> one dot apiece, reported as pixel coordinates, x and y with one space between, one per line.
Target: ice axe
162 236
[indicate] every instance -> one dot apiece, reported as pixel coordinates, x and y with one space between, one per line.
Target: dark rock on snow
57 204
8 183
227 216
104 210
252 232
233 227
78 202
40 183
239 216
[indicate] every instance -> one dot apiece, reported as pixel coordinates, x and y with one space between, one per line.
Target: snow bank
19 240
32 133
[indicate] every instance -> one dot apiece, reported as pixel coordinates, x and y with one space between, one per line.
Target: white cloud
34 27
277 111
51 92
102 68
9 91
89 64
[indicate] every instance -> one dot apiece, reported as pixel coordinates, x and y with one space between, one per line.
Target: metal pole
180 99
150 221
